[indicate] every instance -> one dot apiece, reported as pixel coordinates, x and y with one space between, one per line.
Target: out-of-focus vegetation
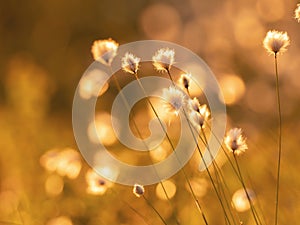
45 49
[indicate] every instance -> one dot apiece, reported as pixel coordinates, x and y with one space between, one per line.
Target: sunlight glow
170 188
240 201
233 88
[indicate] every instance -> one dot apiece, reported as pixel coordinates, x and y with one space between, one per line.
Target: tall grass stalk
216 168
141 137
279 140
277 42
208 172
223 149
201 155
173 149
155 210
130 206
255 216
237 173
219 176
259 208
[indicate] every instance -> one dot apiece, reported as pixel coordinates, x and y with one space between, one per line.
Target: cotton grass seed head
198 119
276 42
235 142
204 113
96 185
138 190
175 99
194 104
130 63
163 59
185 80
104 51
297 13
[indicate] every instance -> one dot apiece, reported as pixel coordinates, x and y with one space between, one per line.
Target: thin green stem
141 137
255 216
279 141
209 174
155 210
169 74
135 211
238 174
173 149
131 207
224 151
198 148
219 176
257 201
196 200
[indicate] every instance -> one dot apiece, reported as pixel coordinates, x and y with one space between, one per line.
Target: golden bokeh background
45 49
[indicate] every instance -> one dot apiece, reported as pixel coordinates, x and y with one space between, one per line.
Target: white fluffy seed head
276 42
104 51
163 59
235 141
194 104
175 99
199 118
130 63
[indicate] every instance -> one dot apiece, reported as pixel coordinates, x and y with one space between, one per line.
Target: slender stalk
224 151
279 141
131 207
256 218
216 168
234 169
141 137
198 148
155 210
209 174
137 212
219 176
173 148
257 201
196 200
238 173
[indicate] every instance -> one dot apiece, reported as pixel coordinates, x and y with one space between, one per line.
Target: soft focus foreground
45 48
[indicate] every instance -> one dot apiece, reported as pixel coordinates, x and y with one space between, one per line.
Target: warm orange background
44 50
